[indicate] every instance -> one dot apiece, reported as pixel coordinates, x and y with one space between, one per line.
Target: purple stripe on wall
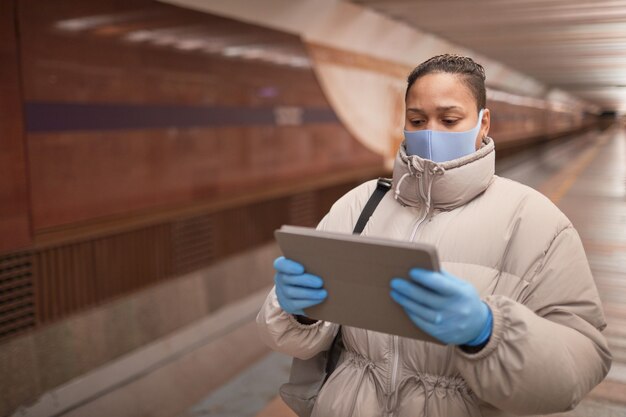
64 117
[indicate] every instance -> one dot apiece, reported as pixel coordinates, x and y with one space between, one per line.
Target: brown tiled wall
108 171
14 211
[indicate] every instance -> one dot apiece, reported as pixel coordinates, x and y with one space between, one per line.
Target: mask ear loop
480 122
430 145
480 117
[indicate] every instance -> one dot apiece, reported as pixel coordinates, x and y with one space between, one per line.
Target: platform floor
586 177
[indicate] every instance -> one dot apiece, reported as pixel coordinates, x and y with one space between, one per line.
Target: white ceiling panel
575 45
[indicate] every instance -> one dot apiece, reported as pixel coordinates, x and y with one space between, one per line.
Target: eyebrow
439 108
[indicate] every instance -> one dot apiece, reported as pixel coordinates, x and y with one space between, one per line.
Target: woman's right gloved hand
295 289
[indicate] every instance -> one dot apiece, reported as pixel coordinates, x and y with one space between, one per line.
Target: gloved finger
418 293
280 294
424 325
287 266
452 278
302 304
411 307
302 280
282 298
301 293
434 281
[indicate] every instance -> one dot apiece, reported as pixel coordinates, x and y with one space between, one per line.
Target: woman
516 307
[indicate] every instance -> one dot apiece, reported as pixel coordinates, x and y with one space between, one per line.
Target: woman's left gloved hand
444 306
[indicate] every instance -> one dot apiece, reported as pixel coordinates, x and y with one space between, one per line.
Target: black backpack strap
382 186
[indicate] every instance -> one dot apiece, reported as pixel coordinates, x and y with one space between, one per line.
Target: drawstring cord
426 196
428 382
366 367
397 191
406 174
418 172
429 389
392 402
437 170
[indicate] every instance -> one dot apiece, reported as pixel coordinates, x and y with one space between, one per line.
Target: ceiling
575 45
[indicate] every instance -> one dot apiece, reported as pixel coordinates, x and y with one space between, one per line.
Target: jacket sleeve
283 333
546 351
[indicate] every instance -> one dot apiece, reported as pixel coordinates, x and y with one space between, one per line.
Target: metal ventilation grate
302 209
17 307
193 243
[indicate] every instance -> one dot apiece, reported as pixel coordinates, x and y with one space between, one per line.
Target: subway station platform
219 365
150 148
585 176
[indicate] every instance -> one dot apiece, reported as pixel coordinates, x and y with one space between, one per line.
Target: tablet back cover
356 271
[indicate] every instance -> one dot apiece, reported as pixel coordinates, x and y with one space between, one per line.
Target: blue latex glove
444 306
296 289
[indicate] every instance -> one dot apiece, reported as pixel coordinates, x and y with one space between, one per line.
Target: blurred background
149 149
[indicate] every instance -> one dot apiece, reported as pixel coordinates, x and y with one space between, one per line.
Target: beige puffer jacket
527 262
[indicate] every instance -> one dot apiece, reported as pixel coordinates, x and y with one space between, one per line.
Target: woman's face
442 101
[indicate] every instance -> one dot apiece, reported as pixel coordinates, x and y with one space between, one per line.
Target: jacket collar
447 185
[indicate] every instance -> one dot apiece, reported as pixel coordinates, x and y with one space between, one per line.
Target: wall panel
118 126
14 209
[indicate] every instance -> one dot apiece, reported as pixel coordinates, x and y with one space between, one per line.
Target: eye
450 122
417 122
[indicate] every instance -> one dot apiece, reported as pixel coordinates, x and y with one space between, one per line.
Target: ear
484 128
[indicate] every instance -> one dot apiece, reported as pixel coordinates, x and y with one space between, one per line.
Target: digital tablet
357 271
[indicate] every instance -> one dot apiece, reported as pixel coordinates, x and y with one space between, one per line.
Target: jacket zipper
395 339
426 211
418 224
394 370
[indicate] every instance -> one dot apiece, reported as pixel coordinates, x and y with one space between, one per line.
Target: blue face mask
440 146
